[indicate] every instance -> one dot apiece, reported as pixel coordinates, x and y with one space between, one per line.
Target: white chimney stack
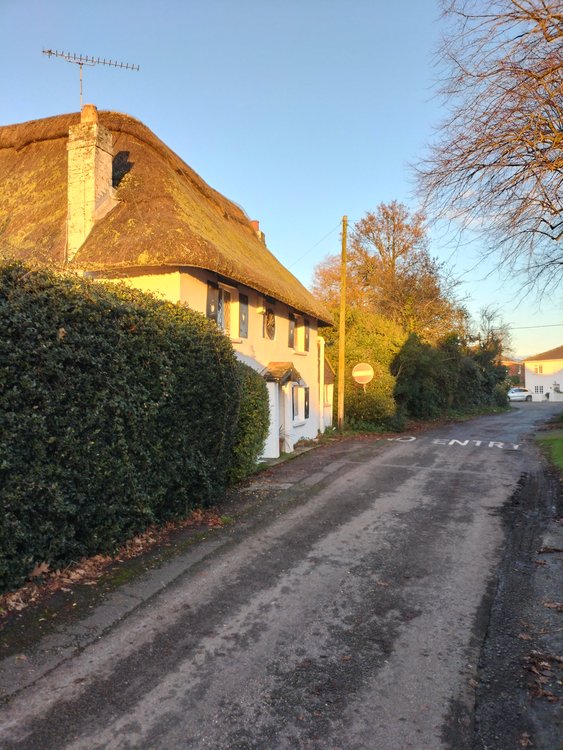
90 192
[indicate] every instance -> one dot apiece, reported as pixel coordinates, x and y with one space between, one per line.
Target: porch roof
281 372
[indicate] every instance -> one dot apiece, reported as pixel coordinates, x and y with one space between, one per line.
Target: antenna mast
81 60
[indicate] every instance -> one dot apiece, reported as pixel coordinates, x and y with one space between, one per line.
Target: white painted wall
541 377
258 351
272 447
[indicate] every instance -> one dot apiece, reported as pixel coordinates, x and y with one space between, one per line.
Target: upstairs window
306 335
224 311
243 316
219 306
269 324
291 336
212 301
299 333
538 369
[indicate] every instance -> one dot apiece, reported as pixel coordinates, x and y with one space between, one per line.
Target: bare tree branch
497 163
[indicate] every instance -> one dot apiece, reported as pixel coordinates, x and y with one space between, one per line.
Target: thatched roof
167 215
551 354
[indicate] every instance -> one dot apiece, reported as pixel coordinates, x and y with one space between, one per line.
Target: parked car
519 394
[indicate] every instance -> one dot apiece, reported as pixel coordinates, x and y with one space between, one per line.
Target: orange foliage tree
390 272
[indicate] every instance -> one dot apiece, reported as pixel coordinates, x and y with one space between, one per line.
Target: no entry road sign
362 373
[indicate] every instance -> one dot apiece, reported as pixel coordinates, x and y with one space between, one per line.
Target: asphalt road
346 608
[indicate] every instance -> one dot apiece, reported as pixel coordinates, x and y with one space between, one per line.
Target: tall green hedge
430 380
253 423
116 411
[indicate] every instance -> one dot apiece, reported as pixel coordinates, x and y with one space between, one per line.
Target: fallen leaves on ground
39 570
547 550
557 606
541 667
89 570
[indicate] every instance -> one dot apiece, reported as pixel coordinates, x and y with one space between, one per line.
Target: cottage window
291 336
295 401
300 404
243 316
224 310
219 306
269 324
299 333
538 369
538 389
212 301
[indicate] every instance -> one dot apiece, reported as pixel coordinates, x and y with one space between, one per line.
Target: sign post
342 328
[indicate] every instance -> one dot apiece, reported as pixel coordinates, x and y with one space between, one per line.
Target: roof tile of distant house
551 354
166 216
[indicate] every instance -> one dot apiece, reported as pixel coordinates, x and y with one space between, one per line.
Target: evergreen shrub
252 425
370 405
117 410
419 387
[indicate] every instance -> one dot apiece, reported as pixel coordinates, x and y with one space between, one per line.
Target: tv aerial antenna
81 60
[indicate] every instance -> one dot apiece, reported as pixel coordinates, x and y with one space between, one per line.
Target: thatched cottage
101 194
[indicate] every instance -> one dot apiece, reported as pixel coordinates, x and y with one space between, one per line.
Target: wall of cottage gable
544 379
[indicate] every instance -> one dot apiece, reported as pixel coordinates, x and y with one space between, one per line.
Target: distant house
101 194
544 375
514 370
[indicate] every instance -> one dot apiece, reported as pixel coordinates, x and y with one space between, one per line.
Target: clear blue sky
299 110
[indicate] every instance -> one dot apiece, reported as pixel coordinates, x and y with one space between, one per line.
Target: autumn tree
390 272
497 164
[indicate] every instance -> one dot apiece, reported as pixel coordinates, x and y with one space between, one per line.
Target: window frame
219 305
306 334
243 315
300 403
292 322
269 332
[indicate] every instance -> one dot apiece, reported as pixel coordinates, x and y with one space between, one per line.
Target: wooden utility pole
342 327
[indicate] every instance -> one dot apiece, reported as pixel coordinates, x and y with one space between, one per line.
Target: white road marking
472 443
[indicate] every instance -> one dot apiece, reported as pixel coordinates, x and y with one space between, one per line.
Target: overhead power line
314 246
523 328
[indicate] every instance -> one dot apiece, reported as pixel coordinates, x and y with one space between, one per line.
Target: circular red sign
362 373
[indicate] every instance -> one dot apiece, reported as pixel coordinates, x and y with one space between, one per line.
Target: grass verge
552 446
551 441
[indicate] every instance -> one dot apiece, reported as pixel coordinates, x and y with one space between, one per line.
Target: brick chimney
90 192
256 226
